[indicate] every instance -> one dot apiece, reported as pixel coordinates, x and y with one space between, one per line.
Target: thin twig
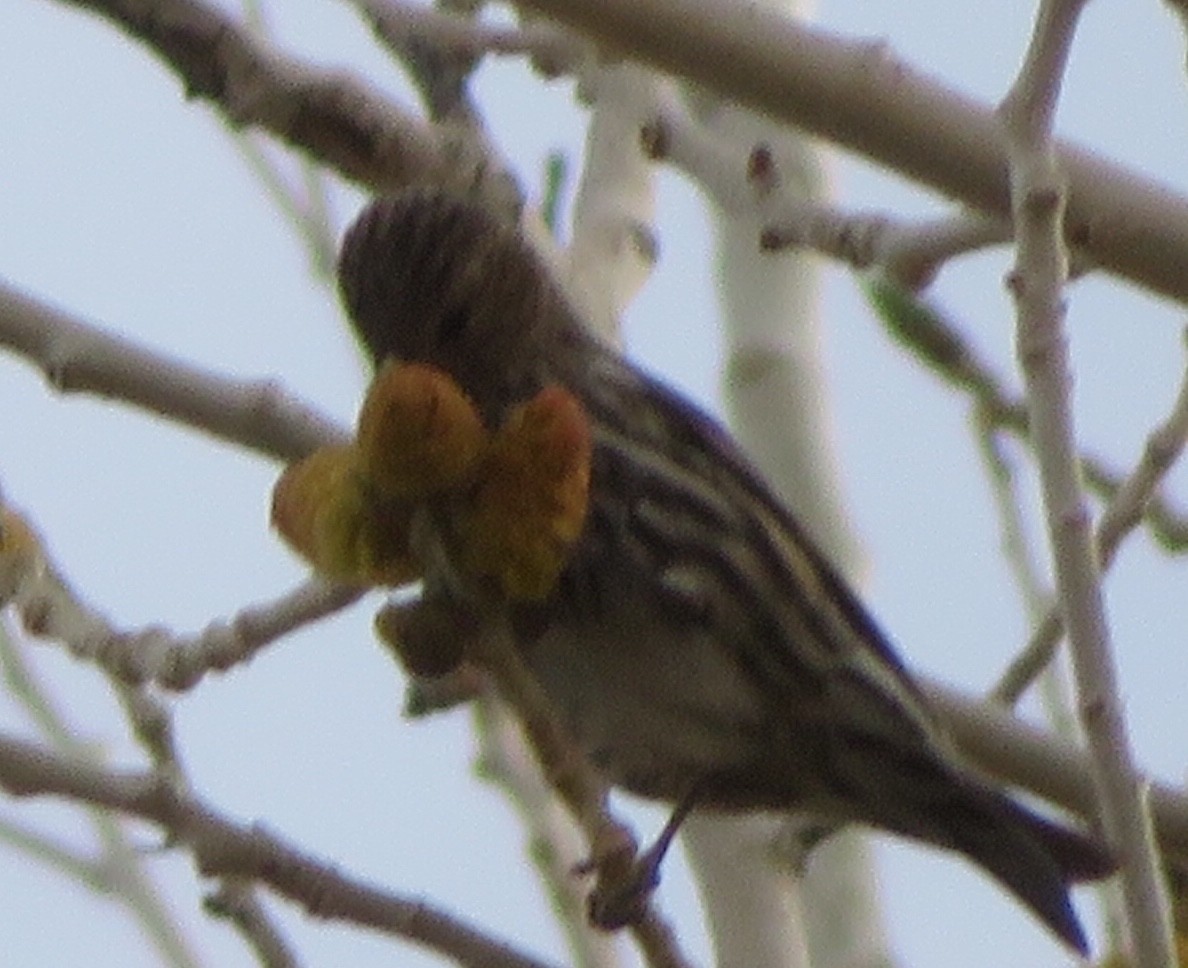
1015 547
575 780
119 868
910 253
222 848
1163 448
555 844
62 858
236 902
915 323
1039 192
1054 692
309 216
51 609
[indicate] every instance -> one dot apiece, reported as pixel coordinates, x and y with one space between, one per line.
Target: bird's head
431 277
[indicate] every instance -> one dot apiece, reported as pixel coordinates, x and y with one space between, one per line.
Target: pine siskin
698 645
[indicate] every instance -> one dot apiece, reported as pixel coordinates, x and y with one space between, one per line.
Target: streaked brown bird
699 646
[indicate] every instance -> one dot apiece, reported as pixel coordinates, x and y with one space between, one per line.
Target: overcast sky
124 203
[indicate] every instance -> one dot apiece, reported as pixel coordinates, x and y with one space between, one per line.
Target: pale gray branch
222 848
79 357
236 902
118 869
398 24
556 846
1123 514
1039 193
861 97
909 252
335 118
50 609
1036 761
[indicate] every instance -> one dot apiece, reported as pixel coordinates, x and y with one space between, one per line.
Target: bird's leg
619 897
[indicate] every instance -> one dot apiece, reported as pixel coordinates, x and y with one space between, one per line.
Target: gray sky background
124 203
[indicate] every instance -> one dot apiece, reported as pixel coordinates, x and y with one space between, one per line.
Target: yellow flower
324 509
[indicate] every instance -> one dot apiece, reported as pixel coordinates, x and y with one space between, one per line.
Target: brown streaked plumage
698 643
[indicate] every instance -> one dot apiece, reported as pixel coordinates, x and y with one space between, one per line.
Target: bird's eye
452 325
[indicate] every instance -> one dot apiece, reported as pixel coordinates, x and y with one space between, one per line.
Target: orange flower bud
327 513
526 509
418 432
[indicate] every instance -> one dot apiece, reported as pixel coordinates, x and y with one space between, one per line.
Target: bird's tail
926 797
1035 858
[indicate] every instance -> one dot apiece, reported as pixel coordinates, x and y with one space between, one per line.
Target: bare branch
222 848
864 99
1033 760
51 609
614 247
1038 195
555 845
398 24
1163 448
118 869
1016 548
236 902
910 253
335 118
942 347
78 357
